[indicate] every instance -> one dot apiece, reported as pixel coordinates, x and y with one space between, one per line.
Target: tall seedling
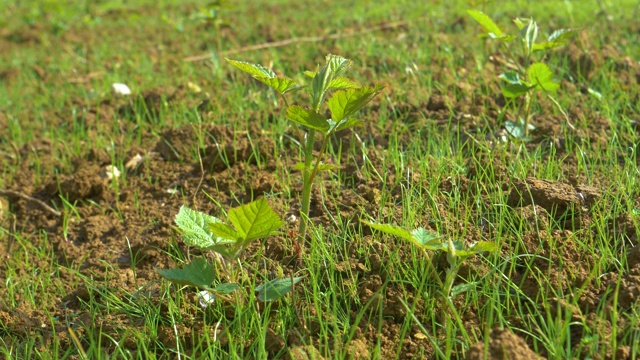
530 77
328 88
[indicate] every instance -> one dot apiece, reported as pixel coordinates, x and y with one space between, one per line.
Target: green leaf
310 74
344 83
253 69
463 252
392 230
516 129
514 91
281 85
492 29
428 240
226 288
275 289
529 35
338 64
521 22
345 103
557 39
224 231
197 273
344 124
483 246
515 86
541 76
307 117
595 93
255 220
196 229
462 288
320 85
511 77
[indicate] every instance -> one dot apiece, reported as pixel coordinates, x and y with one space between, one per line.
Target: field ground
78 276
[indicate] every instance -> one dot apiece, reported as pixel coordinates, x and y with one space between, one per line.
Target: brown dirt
503 345
128 224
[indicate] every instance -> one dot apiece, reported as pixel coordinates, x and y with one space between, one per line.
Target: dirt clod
503 345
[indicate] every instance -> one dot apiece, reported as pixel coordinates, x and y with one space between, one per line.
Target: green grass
423 171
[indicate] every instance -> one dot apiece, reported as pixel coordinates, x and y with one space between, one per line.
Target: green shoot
529 77
247 223
345 98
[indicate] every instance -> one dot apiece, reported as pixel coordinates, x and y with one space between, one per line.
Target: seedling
457 252
247 223
211 15
529 77
347 97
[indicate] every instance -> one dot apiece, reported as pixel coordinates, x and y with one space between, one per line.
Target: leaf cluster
246 223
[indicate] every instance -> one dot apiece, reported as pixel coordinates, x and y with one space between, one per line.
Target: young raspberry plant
328 88
247 223
529 74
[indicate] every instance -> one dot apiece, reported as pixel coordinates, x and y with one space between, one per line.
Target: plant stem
527 114
306 186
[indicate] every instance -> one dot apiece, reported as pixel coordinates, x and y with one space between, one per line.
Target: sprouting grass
445 170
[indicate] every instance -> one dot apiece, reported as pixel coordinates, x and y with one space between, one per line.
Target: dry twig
28 198
294 40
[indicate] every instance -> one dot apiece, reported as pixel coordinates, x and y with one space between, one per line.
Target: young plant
247 223
457 252
328 88
531 75
211 16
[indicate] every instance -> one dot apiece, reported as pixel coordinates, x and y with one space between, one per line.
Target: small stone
110 172
121 89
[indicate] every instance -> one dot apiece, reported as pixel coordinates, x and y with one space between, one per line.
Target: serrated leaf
254 69
511 77
341 82
462 288
196 231
391 230
320 85
514 90
515 129
344 124
338 64
255 220
226 288
529 36
540 75
493 30
307 117
345 103
224 231
310 74
275 289
463 252
515 86
557 39
483 246
197 273
281 85
427 239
